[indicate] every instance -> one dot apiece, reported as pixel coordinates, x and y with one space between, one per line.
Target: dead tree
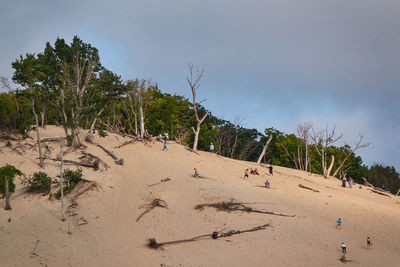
194 84
322 141
7 195
37 126
116 159
303 133
264 150
356 147
61 181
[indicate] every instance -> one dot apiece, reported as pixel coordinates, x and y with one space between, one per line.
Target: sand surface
112 237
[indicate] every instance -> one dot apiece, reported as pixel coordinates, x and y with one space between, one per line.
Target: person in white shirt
212 148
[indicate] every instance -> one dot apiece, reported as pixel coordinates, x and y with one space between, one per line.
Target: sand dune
112 237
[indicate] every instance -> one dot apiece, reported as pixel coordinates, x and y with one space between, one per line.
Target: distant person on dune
246 173
369 243
343 246
271 172
196 173
94 132
339 223
212 148
256 171
165 146
350 181
267 184
344 182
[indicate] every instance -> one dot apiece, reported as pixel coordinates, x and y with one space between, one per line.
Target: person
251 171
339 223
369 243
196 173
94 132
344 182
165 146
270 170
350 181
256 171
343 246
267 184
167 137
212 148
246 174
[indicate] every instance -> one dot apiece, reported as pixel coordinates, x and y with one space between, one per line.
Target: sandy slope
112 236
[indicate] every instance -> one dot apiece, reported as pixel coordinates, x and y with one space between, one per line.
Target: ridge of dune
112 237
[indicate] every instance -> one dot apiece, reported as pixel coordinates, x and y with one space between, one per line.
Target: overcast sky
271 63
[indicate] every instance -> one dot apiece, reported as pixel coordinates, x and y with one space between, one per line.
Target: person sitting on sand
369 243
256 171
270 170
196 173
246 174
343 246
267 184
339 223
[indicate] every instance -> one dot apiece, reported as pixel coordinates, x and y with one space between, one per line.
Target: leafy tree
7 186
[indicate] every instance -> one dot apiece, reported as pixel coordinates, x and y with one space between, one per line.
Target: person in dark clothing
270 170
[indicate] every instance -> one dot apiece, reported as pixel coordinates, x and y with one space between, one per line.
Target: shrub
39 182
10 172
71 178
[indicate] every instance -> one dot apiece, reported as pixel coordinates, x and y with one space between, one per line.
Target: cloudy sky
270 63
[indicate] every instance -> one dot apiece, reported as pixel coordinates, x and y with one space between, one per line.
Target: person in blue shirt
339 223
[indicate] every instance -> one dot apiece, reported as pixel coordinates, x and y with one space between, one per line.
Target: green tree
7 185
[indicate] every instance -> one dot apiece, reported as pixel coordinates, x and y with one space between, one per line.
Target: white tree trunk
196 136
37 132
264 149
141 115
328 171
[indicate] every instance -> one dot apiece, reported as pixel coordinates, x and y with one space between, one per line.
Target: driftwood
52 138
377 192
231 206
155 203
94 165
191 150
116 159
366 182
162 181
34 254
90 157
152 243
308 188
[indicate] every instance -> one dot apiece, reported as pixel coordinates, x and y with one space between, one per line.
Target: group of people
349 181
255 172
343 246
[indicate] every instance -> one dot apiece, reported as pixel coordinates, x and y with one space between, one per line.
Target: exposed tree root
94 165
90 157
155 203
152 243
232 206
117 160
162 181
308 188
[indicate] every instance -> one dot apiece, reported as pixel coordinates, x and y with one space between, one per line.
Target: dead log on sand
191 150
377 192
52 138
149 206
90 157
94 165
117 160
232 206
162 181
152 243
308 188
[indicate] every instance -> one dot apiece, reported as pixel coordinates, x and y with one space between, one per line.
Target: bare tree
322 141
303 133
356 147
37 126
194 84
264 149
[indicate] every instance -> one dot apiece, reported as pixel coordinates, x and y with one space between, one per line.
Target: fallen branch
116 159
377 192
191 150
162 181
94 165
152 243
231 206
52 138
155 203
308 188
91 157
34 254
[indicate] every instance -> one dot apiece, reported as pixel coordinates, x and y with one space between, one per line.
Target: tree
7 186
322 140
303 133
194 84
27 74
264 149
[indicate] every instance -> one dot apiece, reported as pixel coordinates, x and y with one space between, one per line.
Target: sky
266 63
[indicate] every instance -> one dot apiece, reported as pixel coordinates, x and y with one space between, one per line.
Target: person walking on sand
369 243
339 223
271 172
212 148
246 173
343 246
165 146
196 173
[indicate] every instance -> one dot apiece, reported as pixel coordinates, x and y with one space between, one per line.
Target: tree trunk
7 195
264 149
37 132
328 171
61 182
42 118
141 115
196 136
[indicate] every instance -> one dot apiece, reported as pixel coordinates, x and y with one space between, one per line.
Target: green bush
10 172
39 182
71 178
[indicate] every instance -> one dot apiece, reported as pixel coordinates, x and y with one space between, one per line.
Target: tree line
67 85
